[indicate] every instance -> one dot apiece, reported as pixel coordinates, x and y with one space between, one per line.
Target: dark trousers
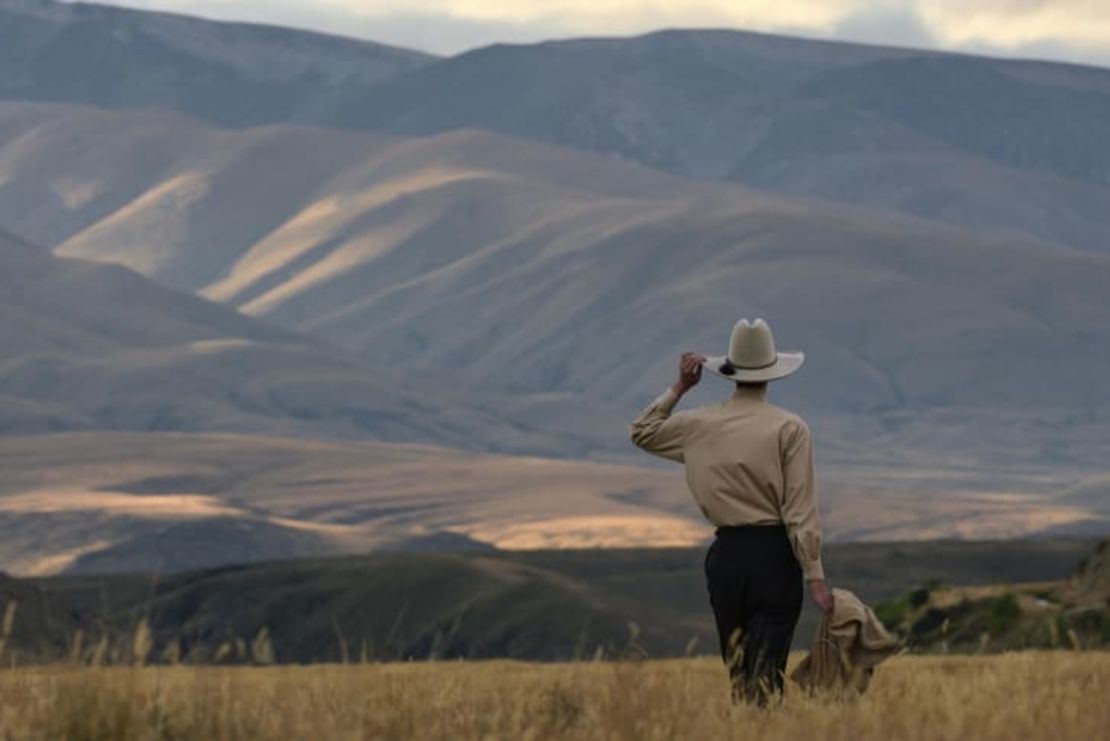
755 587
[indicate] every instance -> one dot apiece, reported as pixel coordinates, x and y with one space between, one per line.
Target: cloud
453 25
1072 30
886 23
451 35
1014 23
396 23
589 14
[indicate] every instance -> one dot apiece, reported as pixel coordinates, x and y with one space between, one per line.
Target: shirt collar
748 393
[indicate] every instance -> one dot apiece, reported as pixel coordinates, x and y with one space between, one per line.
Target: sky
1067 30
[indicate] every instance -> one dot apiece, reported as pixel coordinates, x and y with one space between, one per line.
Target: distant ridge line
62 9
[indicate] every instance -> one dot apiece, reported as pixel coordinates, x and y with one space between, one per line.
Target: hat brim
785 364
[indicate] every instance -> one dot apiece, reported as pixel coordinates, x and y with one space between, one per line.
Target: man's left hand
822 595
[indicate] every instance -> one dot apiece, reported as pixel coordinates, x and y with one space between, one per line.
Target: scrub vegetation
1072 613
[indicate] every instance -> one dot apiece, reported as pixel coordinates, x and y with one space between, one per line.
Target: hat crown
752 345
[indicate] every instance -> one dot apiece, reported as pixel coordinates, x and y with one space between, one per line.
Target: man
749 466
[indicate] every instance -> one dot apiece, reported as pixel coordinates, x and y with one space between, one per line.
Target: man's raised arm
656 430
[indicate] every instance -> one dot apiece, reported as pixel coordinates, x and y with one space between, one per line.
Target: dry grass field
1031 695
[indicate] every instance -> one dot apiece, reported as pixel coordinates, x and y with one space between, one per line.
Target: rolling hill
86 345
1065 613
547 605
997 145
96 347
101 501
518 266
1003 146
320 248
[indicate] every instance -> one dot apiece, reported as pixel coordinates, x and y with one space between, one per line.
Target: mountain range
417 252
1009 146
275 245
91 346
230 73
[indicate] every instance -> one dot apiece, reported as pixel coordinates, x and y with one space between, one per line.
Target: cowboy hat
752 357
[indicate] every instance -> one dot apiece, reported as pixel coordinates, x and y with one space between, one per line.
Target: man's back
747 462
734 453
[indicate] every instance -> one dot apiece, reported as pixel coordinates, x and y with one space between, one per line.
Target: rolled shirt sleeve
657 431
799 506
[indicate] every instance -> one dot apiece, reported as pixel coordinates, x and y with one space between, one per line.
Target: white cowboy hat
752 357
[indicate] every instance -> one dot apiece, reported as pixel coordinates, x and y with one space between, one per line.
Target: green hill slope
1073 612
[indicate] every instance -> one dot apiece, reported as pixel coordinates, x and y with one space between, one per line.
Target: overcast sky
1070 30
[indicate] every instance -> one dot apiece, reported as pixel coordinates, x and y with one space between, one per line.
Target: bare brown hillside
86 345
419 251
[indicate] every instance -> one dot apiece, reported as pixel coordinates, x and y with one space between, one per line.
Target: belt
731 530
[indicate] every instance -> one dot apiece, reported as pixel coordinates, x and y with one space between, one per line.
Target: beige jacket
848 646
747 462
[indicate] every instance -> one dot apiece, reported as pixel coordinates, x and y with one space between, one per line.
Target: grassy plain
102 502
1031 695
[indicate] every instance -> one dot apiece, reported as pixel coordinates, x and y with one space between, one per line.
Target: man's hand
822 595
689 372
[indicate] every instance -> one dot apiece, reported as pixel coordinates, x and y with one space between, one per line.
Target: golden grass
1058 695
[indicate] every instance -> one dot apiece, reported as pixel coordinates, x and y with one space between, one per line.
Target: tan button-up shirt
747 462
